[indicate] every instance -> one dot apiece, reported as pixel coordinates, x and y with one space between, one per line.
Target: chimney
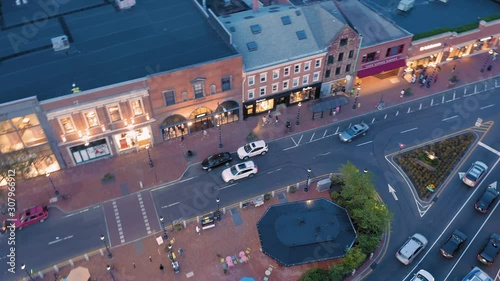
255 6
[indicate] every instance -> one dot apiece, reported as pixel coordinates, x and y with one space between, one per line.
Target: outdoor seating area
232 261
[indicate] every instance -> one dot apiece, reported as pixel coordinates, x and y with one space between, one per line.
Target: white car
422 275
411 248
239 171
252 149
475 173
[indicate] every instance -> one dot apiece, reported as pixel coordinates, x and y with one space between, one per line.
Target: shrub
178 226
315 274
108 176
334 195
368 243
453 79
292 189
267 196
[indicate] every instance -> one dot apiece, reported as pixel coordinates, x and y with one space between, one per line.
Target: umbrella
79 274
247 279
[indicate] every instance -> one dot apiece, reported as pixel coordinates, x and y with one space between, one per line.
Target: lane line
364 143
325 133
432 102
397 113
445 119
60 239
227 186
487 106
172 183
489 148
273 171
300 139
442 100
409 130
420 107
409 110
385 117
373 120
76 213
336 132
312 137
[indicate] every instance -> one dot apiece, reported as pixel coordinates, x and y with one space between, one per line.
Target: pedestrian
402 93
413 78
198 230
276 122
423 83
161 267
435 78
150 259
205 134
413 72
182 138
133 264
403 74
264 120
421 77
453 69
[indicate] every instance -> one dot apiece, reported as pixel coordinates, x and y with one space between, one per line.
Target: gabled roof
280 33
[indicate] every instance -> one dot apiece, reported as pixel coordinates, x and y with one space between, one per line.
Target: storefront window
10 142
91 118
265 105
137 108
114 113
5 127
95 149
67 125
456 53
139 137
33 136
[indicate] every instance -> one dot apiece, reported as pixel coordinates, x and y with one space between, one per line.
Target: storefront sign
431 46
200 115
485 39
260 100
381 62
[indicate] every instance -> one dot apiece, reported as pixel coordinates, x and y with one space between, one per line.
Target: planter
108 178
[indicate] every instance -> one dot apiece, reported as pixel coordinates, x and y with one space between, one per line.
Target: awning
381 68
328 103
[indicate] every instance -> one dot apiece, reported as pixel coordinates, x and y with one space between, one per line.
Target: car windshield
234 171
472 177
247 148
421 277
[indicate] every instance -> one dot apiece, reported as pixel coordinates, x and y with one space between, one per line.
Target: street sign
479 121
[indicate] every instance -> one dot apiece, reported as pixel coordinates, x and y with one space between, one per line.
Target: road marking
373 120
336 132
409 130
173 204
273 171
118 222
445 119
397 113
442 100
454 95
489 148
409 110
144 214
420 107
171 183
350 124
60 239
322 154
432 102
385 117
487 106
76 213
393 192
312 137
364 143
227 186
325 133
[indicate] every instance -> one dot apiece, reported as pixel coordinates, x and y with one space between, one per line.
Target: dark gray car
353 132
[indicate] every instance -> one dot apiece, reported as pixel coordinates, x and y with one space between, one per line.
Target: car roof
426 274
460 234
480 164
411 246
259 143
476 274
244 165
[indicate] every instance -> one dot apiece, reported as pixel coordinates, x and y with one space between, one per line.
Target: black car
216 160
453 244
485 202
490 251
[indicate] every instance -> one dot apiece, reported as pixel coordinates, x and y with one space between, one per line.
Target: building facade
196 98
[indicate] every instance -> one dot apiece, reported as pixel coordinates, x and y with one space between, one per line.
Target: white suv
239 171
422 275
251 149
411 248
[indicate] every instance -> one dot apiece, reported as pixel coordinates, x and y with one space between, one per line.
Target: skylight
252 46
286 20
301 34
255 29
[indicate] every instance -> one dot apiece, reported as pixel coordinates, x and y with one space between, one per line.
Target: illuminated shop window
114 113
137 108
67 125
91 118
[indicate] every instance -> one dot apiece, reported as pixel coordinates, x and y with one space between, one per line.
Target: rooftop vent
255 29
60 43
297 13
301 35
252 46
286 20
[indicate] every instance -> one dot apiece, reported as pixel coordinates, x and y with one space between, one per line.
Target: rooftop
107 46
280 33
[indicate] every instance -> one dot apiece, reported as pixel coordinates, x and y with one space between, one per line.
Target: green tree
372 217
368 242
358 188
315 274
15 160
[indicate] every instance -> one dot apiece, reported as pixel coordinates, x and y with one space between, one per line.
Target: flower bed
449 152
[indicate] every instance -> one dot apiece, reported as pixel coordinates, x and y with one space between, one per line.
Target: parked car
216 160
454 242
353 132
490 250
487 199
28 217
476 274
422 275
411 248
239 171
475 173
252 149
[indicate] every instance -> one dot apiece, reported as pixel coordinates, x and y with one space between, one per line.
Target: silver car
353 132
411 248
475 173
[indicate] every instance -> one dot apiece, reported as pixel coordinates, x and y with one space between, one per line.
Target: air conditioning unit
60 43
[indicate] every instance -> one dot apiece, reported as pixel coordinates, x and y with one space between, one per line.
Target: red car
31 216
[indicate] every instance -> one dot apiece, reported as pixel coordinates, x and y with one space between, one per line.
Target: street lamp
217 123
23 267
108 267
306 189
218 210
106 245
298 114
52 184
151 164
165 236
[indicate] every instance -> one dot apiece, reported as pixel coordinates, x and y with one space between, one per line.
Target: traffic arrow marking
393 192
461 175
493 185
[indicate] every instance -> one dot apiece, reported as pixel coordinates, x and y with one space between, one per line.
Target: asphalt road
61 237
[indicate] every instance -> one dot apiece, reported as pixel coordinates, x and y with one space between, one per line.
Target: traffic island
429 166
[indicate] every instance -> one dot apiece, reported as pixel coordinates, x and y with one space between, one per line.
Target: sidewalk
83 183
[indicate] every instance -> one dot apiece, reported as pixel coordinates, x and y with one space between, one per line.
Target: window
341 57
91 118
275 87
251 80
114 113
276 74
67 125
330 59
226 83
198 90
296 68
317 63
305 79
251 94
348 68
295 82
371 57
285 85
337 71
262 91
213 89
263 77
137 108
394 50
343 42
327 73
307 66
184 96
169 97
351 54
286 71
316 76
